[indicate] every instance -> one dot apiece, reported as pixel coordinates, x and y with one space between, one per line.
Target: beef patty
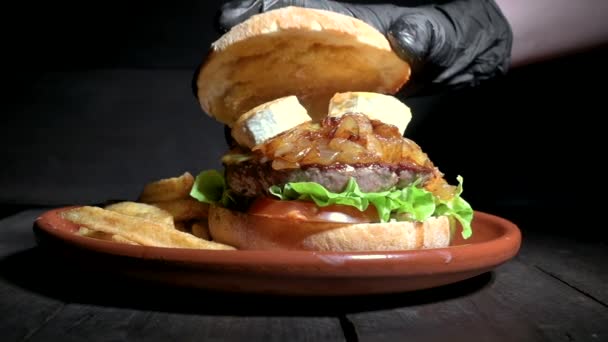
253 178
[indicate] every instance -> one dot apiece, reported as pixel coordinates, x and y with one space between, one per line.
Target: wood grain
575 262
22 311
520 304
92 323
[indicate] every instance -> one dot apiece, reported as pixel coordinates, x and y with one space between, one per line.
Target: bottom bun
253 232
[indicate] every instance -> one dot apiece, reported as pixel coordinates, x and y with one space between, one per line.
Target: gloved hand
452 45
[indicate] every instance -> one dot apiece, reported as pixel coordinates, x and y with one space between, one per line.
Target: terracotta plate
495 240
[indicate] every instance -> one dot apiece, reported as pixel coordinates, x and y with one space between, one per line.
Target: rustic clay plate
495 240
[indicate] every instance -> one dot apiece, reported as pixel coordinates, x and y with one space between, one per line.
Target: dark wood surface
554 290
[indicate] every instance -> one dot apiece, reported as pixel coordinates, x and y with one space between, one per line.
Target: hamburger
316 157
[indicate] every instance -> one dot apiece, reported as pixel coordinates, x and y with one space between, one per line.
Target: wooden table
554 290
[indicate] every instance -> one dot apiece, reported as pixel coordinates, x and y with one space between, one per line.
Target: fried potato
122 239
137 229
84 231
167 189
185 209
201 230
143 210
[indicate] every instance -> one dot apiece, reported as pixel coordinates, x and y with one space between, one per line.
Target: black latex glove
452 45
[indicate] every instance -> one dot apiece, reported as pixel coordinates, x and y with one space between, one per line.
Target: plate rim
319 264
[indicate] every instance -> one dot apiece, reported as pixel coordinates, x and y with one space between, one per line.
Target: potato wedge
84 231
185 209
137 229
167 189
143 210
122 239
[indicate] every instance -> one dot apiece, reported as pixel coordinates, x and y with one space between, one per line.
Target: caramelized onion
351 138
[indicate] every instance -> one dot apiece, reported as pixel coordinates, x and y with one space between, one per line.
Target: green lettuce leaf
210 187
411 203
458 209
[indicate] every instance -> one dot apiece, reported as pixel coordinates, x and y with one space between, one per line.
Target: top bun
309 53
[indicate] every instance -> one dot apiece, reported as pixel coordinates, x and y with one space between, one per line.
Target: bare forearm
545 29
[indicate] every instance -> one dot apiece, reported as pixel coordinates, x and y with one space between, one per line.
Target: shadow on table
38 272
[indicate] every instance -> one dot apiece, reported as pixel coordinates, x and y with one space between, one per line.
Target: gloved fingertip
234 12
411 38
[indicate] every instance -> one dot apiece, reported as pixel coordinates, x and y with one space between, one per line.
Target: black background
97 102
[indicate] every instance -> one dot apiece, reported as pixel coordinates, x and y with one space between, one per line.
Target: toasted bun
245 231
309 53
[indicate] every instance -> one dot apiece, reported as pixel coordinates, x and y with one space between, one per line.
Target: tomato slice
304 210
